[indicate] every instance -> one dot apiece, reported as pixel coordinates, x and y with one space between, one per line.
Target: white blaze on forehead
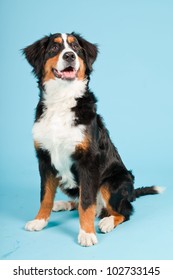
61 62
64 37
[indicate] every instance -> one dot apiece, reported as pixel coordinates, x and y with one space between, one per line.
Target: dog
73 146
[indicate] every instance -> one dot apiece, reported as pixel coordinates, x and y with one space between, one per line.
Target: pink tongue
68 74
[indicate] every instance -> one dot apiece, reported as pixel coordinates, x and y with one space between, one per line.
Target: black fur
35 54
90 51
45 168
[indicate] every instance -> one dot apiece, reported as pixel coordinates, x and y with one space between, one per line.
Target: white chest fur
55 130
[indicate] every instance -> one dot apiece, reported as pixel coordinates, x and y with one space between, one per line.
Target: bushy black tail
146 191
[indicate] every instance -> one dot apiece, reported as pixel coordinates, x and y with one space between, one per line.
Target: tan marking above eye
70 39
58 40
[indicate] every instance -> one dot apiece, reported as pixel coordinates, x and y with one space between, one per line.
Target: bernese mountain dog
73 146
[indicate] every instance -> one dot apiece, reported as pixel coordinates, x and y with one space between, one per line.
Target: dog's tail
147 191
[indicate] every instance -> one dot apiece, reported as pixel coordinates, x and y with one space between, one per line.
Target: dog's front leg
87 210
49 183
46 205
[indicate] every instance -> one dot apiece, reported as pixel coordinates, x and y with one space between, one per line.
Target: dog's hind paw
64 205
86 239
106 224
36 225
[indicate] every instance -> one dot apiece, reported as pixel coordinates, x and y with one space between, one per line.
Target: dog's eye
75 46
54 48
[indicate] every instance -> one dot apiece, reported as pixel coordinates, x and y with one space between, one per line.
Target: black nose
69 56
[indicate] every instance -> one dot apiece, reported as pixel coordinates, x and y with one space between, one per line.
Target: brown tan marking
82 69
73 205
47 202
83 146
36 145
58 40
50 64
86 218
70 39
118 218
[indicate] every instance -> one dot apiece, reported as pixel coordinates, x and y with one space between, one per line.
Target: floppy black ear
91 50
35 54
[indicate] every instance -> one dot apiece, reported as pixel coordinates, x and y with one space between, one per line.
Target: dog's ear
35 54
90 50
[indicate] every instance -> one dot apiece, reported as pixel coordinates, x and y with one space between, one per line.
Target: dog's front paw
36 225
86 239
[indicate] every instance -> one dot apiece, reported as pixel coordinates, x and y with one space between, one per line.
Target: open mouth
68 73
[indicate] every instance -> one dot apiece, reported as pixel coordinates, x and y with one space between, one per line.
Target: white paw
63 205
36 225
86 239
106 224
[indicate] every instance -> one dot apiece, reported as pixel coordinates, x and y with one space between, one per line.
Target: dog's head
61 56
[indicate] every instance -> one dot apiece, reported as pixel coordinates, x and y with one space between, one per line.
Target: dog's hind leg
110 217
116 194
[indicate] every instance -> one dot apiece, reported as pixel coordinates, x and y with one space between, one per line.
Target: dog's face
61 56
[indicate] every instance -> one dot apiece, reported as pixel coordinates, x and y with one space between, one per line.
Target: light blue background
133 82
